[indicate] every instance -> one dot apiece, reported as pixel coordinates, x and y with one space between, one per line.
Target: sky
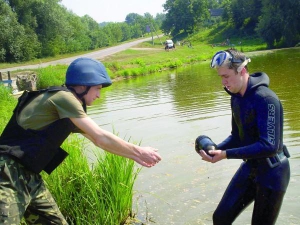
113 10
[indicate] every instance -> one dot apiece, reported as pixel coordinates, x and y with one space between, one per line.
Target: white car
169 45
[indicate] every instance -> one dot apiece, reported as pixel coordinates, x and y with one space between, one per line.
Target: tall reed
98 192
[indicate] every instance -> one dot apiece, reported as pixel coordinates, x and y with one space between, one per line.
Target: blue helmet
87 72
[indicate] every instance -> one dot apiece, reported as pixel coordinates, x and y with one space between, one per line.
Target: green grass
8 102
51 76
93 193
147 58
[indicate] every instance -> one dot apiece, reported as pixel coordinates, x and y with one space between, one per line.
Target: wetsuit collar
255 80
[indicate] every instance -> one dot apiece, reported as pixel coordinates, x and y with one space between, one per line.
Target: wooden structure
8 81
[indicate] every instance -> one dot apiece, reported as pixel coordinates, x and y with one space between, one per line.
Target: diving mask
225 57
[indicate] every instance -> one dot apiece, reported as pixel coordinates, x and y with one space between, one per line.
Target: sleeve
67 106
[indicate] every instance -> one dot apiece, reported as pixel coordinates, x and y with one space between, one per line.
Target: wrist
136 151
224 154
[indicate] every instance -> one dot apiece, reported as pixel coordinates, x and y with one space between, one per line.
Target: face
233 81
92 94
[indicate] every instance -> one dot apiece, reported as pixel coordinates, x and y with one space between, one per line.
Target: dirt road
95 55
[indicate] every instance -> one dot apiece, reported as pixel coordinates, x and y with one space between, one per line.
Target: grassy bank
147 58
150 57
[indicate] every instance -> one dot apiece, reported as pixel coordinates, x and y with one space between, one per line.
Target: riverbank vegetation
95 191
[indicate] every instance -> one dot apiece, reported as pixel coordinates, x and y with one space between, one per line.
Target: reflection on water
169 111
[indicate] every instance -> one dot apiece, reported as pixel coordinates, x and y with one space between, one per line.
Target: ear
82 88
79 88
243 71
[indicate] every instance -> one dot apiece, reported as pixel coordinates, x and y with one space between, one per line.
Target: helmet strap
83 105
80 96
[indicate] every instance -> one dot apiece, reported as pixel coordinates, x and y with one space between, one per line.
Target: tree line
36 29
277 22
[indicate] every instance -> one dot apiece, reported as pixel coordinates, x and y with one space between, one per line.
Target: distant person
31 142
256 138
228 42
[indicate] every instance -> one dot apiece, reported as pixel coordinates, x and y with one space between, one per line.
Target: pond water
169 110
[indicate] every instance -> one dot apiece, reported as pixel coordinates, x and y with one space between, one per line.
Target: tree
93 31
245 14
116 32
213 4
133 18
279 23
159 18
138 23
126 31
183 15
76 34
226 5
15 43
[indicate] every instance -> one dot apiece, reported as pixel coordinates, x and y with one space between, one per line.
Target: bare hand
217 155
148 156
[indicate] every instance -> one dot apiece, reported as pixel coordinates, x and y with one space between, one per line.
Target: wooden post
0 76
8 75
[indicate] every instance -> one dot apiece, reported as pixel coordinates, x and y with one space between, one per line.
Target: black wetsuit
256 137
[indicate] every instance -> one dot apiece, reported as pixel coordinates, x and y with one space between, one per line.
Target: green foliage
38 29
8 103
95 192
133 72
174 64
113 65
184 15
276 22
16 43
139 62
51 76
245 14
279 24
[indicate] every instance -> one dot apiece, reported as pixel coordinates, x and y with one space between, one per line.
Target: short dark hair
238 56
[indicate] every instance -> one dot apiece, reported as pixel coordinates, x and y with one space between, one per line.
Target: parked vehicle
169 45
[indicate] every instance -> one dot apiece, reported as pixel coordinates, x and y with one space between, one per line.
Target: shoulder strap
27 96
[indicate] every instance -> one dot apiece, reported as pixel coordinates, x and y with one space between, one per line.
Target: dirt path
95 55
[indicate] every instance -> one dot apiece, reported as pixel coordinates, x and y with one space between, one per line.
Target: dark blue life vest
36 150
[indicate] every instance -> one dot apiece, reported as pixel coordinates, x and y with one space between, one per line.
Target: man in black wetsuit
256 138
